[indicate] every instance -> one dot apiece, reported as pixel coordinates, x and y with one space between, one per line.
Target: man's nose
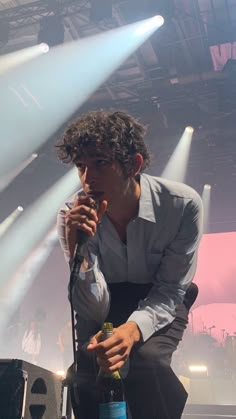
89 174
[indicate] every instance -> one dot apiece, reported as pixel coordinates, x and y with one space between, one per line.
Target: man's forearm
90 295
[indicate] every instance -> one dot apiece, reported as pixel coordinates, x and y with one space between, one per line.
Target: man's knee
155 353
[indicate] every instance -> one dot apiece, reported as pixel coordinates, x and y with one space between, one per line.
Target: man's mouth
98 194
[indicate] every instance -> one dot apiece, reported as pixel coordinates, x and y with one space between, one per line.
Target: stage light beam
151 24
60 82
6 224
18 285
206 199
15 59
25 236
9 177
177 164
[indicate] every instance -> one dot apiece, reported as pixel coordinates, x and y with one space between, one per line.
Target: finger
109 343
83 210
84 222
84 199
117 366
94 341
92 214
90 202
113 364
98 336
107 363
86 228
121 350
83 218
80 219
92 344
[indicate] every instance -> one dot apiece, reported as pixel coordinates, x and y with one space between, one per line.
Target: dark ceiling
173 68
185 74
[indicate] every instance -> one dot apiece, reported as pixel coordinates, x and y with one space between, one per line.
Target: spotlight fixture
51 31
189 129
44 47
166 8
147 8
153 22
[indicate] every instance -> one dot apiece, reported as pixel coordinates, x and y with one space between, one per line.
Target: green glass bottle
110 388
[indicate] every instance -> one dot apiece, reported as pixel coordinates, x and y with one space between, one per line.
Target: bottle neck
106 334
110 374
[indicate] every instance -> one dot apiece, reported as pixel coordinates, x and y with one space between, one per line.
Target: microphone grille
95 205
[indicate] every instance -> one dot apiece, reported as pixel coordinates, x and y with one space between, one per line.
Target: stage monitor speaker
28 391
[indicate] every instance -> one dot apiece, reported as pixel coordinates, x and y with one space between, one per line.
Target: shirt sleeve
61 231
175 273
90 295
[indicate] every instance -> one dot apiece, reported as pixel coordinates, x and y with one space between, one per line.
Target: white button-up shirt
161 249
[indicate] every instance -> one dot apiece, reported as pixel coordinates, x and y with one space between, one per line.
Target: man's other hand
113 352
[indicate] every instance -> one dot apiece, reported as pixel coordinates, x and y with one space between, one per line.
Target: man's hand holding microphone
82 219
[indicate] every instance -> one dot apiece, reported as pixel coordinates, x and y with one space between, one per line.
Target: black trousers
152 389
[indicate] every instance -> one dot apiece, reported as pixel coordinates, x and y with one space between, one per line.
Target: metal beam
31 13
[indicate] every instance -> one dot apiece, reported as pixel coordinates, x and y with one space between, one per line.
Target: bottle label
113 410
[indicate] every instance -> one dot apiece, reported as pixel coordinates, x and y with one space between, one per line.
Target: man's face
101 177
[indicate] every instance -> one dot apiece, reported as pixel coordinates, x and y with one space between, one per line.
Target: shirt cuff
144 322
147 323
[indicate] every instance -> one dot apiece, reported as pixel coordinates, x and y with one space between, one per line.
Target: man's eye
101 162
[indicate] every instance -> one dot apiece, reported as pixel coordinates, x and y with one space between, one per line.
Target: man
138 263
31 342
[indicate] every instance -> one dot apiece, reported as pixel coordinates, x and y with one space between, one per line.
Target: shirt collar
146 208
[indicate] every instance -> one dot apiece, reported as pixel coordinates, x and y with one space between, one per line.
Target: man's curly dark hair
116 135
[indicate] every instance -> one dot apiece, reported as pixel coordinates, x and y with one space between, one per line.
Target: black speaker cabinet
28 391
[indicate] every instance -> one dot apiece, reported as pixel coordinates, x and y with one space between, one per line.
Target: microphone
83 238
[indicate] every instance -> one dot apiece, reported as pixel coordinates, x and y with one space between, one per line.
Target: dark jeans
152 389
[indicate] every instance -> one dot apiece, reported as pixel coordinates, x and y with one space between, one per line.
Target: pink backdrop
216 278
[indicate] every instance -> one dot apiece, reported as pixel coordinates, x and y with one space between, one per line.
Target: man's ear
136 164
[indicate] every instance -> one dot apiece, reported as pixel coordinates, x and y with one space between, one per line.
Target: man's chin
97 194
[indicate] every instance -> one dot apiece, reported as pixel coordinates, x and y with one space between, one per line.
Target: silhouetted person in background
65 344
